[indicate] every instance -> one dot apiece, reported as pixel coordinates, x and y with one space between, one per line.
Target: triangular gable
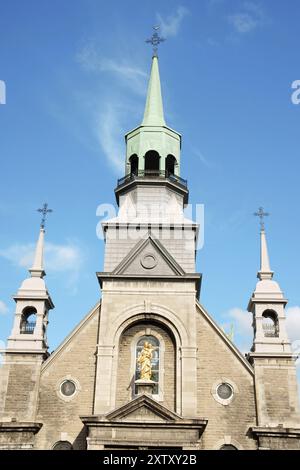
142 408
149 257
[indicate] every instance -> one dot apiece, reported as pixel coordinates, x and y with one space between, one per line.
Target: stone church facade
203 393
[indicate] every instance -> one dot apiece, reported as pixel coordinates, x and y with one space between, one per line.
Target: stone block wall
217 363
75 360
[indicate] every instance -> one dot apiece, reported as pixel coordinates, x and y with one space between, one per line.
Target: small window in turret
170 165
28 321
270 324
134 165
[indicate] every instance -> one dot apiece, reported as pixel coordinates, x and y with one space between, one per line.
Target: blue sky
76 76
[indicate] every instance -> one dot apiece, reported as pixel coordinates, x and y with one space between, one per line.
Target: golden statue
144 359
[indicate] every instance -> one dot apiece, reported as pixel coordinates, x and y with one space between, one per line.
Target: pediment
149 257
143 408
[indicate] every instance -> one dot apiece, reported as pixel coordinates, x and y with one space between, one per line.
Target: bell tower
26 351
271 356
149 283
33 303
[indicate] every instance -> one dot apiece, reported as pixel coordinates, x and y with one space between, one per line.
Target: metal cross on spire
155 40
261 214
44 210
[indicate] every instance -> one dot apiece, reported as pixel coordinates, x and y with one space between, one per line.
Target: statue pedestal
145 387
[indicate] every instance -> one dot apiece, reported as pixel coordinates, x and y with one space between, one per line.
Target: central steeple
153 148
154 112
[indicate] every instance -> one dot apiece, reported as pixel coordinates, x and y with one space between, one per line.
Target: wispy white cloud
243 22
242 328
65 258
171 24
3 308
107 129
110 110
243 321
19 255
250 17
205 161
293 323
127 72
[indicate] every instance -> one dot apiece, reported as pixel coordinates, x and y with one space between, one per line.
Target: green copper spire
154 113
153 135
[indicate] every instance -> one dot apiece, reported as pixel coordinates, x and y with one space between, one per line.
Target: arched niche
164 370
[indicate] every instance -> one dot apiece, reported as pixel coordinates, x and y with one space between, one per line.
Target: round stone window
148 261
68 388
224 391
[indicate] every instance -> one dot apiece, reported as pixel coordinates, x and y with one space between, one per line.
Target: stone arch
159 314
270 324
142 311
28 320
227 441
62 445
125 362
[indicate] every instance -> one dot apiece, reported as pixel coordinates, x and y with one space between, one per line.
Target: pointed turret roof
154 112
37 269
34 287
265 270
266 288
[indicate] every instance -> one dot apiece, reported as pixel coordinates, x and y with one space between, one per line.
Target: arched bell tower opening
152 163
28 321
170 165
270 324
134 164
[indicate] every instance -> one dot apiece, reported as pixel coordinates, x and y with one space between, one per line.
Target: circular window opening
224 391
149 261
68 388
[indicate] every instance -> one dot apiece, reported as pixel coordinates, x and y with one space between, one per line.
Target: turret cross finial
261 214
155 40
44 210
